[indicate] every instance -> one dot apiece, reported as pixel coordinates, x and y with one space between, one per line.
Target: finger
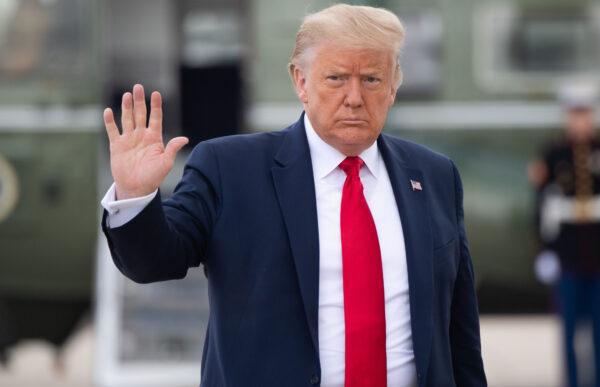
127 113
156 114
175 146
111 127
139 106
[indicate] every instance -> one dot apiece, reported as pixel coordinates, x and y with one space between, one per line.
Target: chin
354 146
359 136
355 133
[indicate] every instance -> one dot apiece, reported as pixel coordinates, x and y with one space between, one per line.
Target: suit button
314 379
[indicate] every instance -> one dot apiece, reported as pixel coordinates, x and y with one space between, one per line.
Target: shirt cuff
122 211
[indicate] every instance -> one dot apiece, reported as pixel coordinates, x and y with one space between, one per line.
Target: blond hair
351 26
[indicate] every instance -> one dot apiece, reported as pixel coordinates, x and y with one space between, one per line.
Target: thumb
175 146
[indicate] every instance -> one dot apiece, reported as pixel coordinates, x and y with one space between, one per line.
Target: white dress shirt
329 181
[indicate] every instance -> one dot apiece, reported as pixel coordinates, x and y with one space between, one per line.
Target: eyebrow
370 71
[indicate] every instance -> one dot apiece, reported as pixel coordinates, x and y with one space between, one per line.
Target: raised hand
139 161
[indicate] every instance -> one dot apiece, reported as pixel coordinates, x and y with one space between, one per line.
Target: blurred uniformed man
567 180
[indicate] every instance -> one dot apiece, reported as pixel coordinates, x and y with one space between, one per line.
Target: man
567 182
335 255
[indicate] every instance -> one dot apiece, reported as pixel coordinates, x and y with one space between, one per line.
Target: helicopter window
44 40
423 67
519 50
552 43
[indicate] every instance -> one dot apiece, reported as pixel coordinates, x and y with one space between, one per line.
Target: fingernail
127 99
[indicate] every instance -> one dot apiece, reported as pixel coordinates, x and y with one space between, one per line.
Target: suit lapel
294 184
414 217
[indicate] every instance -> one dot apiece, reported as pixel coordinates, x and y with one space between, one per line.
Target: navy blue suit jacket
245 209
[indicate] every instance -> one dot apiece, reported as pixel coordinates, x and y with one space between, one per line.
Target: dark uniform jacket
574 173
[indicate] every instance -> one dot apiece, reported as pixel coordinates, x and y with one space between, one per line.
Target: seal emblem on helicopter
9 188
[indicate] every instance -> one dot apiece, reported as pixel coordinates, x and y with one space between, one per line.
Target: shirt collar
326 158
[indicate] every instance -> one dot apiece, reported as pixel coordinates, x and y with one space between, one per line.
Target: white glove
547 267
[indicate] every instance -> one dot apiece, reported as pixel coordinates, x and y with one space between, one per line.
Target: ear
392 96
396 85
299 78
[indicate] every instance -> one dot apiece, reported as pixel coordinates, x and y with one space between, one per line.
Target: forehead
332 56
581 110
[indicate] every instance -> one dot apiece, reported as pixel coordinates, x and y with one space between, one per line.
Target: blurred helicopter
48 169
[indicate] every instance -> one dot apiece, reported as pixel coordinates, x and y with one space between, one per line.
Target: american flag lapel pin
416 185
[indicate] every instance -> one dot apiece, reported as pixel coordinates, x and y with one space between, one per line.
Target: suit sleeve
464 321
167 238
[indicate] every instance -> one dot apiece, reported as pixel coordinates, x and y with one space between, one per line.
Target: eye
335 80
371 79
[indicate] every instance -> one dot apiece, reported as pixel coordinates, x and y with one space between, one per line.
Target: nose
354 97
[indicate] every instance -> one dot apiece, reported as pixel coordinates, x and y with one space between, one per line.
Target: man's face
580 123
347 94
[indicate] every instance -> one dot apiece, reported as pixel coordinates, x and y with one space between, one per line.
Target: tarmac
518 351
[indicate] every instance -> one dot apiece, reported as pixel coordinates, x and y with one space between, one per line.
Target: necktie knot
351 165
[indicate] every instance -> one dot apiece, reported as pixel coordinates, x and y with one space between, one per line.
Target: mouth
352 121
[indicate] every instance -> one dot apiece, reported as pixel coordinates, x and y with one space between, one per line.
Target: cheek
379 105
329 101
322 107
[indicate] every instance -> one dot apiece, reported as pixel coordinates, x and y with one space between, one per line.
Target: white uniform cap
578 95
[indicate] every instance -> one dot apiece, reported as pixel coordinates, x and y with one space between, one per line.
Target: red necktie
364 303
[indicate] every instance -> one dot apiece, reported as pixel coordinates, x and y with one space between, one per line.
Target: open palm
139 160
